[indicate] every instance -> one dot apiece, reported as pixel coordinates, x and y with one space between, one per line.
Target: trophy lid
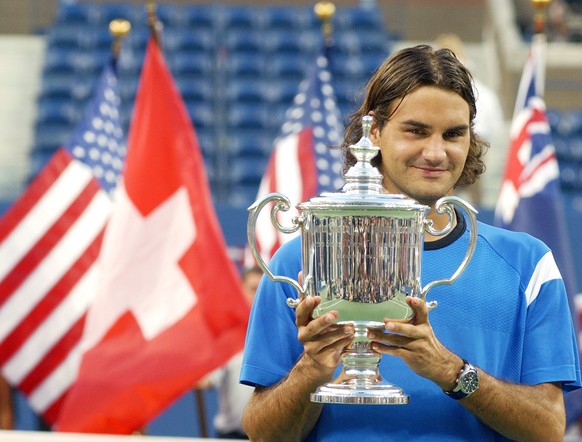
363 188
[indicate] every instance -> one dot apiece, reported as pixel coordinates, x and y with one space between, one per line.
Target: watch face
470 382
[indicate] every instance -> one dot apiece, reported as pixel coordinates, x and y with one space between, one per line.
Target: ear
374 131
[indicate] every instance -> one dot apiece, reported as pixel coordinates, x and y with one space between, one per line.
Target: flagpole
156 28
154 23
118 28
540 13
325 12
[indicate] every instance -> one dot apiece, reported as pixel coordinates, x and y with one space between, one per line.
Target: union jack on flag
304 162
49 243
532 168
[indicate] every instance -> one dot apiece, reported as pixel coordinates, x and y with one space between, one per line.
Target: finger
318 327
420 309
304 311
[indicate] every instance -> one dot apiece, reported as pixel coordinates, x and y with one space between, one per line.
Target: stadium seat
57 112
242 195
245 90
188 40
76 13
246 66
571 175
280 92
245 170
245 144
240 17
248 116
358 18
201 64
195 88
362 42
50 136
244 41
202 115
67 87
287 66
198 16
289 18
136 14
95 38
64 37
170 15
281 41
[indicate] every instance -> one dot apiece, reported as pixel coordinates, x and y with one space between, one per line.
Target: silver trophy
361 252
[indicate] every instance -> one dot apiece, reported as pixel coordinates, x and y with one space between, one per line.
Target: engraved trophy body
362 253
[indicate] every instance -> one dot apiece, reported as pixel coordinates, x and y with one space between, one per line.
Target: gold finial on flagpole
325 12
540 7
118 28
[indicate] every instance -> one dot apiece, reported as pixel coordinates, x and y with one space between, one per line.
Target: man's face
424 144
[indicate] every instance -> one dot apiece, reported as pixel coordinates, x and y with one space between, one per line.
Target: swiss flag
170 306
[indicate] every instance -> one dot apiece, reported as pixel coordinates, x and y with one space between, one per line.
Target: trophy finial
366 126
363 177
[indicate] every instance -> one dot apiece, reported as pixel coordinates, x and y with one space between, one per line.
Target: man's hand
416 344
322 338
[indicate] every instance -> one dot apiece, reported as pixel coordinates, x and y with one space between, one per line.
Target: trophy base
377 394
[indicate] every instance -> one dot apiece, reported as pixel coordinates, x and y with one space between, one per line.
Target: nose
434 150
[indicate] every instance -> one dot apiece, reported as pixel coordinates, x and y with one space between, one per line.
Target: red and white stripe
49 244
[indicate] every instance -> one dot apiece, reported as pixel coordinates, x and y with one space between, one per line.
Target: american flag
306 159
49 244
530 199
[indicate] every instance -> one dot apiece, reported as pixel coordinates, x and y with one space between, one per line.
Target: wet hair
401 74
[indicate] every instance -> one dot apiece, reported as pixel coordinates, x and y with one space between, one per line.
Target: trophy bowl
362 254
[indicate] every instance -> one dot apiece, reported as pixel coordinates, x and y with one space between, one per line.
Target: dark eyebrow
419 125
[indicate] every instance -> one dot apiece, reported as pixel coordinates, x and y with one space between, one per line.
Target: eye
416 131
454 134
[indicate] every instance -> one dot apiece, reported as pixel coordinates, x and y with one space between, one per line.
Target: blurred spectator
6 406
232 396
556 27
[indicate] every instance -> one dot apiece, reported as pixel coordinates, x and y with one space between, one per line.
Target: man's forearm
519 412
284 412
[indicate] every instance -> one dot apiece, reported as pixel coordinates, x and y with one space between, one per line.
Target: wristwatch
467 382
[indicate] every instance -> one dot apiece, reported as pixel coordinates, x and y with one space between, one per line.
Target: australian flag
530 199
305 160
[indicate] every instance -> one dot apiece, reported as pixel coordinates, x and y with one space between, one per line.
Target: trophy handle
281 202
445 205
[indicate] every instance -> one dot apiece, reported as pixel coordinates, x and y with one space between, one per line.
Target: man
505 320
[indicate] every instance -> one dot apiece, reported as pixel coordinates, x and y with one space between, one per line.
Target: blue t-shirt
507 313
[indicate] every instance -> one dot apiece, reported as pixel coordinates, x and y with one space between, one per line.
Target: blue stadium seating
244 41
189 41
237 69
195 88
245 144
289 18
248 115
246 65
134 13
359 18
76 13
184 63
247 170
198 17
287 66
239 17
